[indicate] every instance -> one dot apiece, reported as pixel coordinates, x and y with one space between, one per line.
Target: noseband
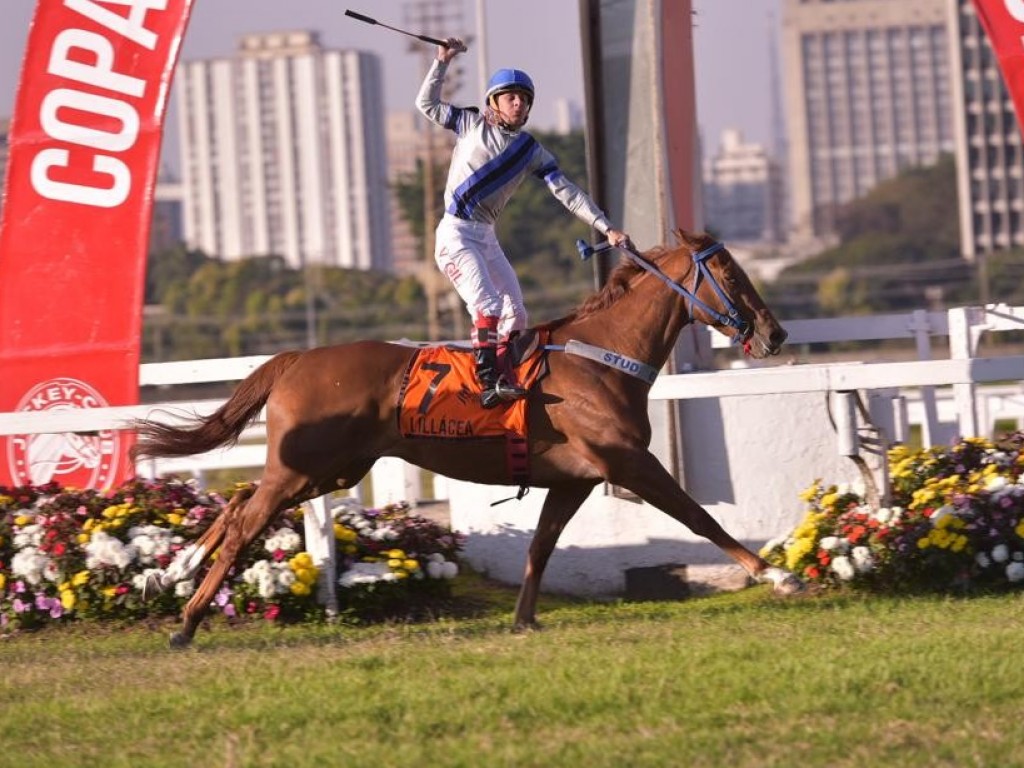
733 319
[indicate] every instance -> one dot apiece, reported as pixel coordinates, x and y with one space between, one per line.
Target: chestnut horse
331 413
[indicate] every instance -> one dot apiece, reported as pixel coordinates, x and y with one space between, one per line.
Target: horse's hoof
783 582
153 586
180 641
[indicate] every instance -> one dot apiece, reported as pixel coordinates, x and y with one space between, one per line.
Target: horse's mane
622 276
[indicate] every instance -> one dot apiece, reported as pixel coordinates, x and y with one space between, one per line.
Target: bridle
732 318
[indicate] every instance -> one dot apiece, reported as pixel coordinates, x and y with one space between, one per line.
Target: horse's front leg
640 471
559 507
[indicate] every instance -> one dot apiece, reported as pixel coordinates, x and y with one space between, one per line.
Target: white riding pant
469 254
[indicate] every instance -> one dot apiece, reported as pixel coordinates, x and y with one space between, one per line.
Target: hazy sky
539 36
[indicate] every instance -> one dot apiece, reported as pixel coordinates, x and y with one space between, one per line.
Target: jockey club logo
78 460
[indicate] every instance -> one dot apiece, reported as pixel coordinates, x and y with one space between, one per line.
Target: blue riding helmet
509 80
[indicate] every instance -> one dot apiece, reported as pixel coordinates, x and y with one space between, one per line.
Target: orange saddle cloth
440 397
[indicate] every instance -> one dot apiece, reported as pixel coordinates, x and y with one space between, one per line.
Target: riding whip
368 20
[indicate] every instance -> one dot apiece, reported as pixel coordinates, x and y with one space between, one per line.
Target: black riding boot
496 389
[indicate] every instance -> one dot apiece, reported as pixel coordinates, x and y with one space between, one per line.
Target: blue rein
700 259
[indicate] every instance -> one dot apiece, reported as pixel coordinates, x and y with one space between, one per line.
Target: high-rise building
743 192
283 152
990 161
868 95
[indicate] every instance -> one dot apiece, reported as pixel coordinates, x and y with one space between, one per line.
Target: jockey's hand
619 239
455 47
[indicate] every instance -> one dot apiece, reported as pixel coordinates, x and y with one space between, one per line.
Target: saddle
440 397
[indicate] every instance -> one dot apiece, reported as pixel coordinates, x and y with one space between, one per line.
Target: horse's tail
221 427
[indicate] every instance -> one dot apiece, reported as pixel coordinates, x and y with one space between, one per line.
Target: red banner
84 151
1003 21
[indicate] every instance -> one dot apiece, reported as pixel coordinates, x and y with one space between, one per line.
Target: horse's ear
685 238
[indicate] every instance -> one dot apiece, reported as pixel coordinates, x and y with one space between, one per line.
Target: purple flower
56 609
20 606
223 597
19 587
229 611
42 602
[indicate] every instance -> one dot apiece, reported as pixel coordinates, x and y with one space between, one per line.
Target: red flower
824 557
857 532
812 572
271 613
279 555
59 549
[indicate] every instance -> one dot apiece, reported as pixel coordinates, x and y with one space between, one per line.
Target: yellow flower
80 578
109 591
83 538
174 518
343 533
22 520
301 560
395 553
3 581
410 564
300 588
401 574
959 542
809 494
1019 530
68 599
923 543
829 499
394 563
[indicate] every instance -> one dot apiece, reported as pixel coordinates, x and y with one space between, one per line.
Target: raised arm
428 100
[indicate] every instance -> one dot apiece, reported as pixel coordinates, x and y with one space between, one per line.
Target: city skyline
731 37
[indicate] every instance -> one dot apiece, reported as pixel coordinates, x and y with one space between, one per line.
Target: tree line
898 248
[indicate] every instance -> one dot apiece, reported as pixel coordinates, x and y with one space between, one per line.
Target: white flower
184 589
28 536
104 550
843 568
286 577
830 543
982 559
441 569
1015 571
1000 553
29 563
150 542
863 560
995 483
365 573
285 539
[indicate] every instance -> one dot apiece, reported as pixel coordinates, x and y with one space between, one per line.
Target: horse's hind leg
559 507
240 529
191 558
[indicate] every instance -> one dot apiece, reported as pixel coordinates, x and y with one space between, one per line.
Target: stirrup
501 392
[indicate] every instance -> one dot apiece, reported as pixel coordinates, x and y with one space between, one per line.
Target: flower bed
68 554
955 522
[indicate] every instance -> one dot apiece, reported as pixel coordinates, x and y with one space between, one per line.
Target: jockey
492 156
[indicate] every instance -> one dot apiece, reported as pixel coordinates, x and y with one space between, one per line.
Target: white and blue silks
488 164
